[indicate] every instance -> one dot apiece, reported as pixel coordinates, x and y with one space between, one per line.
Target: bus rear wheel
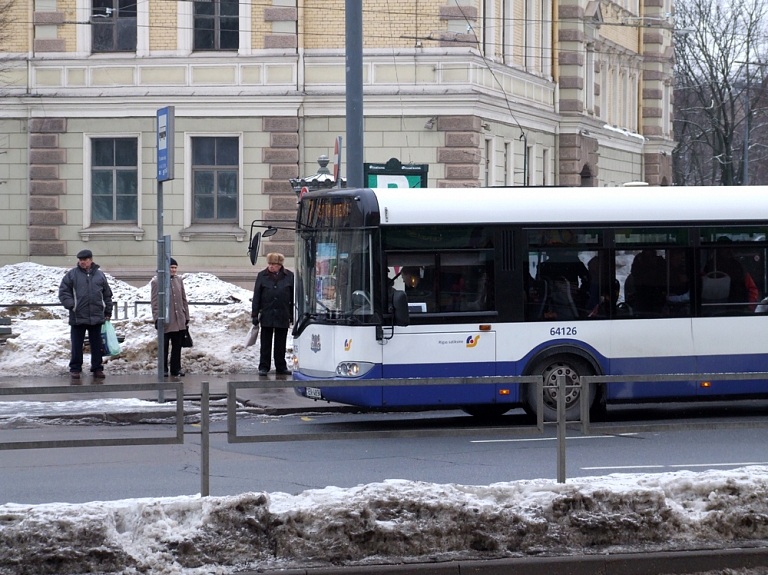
572 368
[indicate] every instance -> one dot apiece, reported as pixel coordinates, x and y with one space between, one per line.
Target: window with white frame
113 25
487 27
545 37
529 34
216 25
507 32
114 180
215 177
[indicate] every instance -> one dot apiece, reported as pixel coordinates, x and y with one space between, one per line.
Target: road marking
674 465
623 467
547 438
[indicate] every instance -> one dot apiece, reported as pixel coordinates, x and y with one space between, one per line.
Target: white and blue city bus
523 281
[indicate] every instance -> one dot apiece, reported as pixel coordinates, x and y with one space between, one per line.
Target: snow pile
42 344
391 522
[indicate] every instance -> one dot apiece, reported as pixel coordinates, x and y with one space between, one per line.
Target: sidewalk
275 401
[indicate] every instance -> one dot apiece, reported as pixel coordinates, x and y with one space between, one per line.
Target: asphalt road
456 449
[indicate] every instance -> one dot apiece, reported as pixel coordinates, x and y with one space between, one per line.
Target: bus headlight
353 368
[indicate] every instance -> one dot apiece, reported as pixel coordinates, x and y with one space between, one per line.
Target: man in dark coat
273 310
85 292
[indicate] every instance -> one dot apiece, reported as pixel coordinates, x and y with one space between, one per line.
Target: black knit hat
173 262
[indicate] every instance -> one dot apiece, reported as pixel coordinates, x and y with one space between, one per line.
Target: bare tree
719 77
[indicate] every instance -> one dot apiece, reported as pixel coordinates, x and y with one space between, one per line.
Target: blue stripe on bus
457 395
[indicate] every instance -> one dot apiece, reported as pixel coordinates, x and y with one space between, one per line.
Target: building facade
487 92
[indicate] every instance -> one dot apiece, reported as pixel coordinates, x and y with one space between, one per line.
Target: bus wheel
486 411
572 368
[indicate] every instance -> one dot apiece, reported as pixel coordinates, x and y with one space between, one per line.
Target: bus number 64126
562 331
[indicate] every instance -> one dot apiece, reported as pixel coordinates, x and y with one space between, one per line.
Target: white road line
674 465
532 439
623 467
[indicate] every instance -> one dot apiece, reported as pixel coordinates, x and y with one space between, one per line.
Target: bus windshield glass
334 274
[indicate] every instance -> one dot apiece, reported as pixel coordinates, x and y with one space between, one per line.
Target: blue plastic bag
109 341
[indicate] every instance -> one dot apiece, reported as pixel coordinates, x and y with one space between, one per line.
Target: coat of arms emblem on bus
315 344
347 344
472 341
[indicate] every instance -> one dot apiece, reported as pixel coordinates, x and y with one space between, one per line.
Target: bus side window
558 285
417 274
678 289
465 281
645 286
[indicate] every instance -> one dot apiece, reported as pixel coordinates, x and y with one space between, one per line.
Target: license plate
314 393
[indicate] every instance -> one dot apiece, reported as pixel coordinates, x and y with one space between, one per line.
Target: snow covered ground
42 344
391 522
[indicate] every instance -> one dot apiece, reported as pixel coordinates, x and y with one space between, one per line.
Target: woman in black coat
273 310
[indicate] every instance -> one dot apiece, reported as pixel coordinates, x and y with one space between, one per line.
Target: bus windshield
334 275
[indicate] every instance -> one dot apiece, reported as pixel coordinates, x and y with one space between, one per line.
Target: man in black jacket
85 292
273 309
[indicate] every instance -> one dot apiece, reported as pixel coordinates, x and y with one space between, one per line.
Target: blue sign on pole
165 146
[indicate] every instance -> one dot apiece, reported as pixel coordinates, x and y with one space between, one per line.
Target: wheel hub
571 381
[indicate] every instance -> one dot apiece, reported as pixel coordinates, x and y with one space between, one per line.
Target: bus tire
490 411
573 367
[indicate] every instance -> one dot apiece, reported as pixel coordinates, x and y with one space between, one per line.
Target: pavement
272 401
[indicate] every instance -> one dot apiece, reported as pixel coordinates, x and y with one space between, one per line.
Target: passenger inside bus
645 288
726 287
563 284
679 284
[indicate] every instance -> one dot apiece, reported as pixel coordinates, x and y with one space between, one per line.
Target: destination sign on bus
327 212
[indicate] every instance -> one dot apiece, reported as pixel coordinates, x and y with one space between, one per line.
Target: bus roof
432 206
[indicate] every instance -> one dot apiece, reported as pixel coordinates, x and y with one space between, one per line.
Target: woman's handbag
186 339
109 341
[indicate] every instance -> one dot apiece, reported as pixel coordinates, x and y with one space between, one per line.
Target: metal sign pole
165 165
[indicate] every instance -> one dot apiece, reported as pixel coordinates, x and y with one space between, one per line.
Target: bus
471 282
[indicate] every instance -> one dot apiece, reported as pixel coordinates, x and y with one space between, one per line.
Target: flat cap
83 254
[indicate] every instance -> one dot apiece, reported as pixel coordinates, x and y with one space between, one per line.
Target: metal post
584 395
160 290
354 78
205 437
561 428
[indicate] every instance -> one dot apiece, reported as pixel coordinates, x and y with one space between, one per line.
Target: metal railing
232 436
116 306
178 387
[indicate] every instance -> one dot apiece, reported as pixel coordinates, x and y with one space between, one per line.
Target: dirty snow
42 344
390 522
395 521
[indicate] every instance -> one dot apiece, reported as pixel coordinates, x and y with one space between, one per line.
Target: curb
655 563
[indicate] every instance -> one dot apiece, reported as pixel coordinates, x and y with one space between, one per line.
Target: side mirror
253 249
402 318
